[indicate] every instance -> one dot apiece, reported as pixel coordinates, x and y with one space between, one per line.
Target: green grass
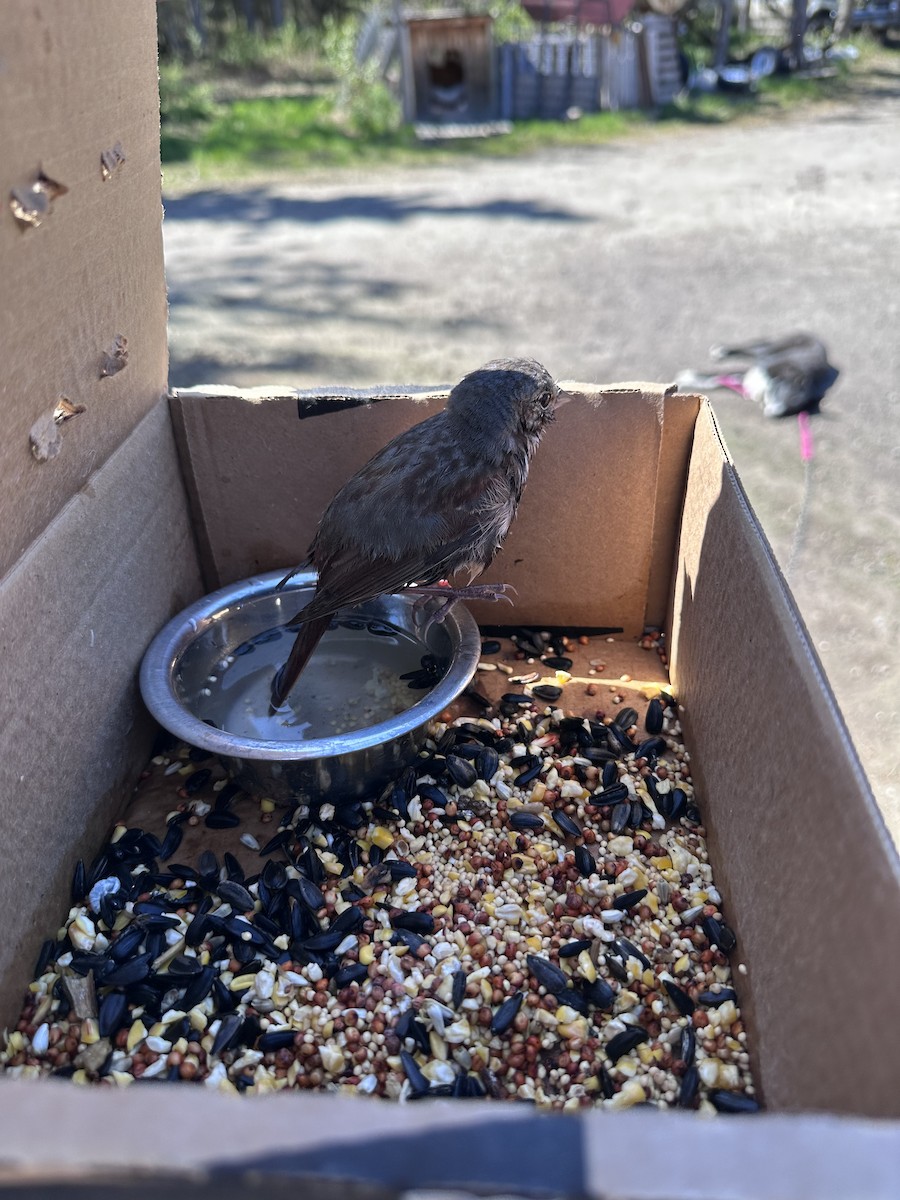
209 138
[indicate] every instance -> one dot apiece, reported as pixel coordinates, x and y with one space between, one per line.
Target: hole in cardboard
115 358
32 203
110 160
45 437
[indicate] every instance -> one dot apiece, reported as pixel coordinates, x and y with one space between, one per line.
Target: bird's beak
563 397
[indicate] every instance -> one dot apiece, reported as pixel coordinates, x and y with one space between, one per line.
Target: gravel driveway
619 262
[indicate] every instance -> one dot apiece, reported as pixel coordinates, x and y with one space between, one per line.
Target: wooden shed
448 69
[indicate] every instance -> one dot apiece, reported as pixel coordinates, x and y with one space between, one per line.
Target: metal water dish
352 724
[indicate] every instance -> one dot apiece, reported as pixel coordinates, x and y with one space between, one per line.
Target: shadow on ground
258 205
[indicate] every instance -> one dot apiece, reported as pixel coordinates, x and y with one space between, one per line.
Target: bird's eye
545 399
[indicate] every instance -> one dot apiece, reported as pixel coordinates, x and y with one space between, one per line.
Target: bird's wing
348 579
411 515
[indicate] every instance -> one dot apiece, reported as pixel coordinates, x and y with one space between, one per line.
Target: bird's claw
447 596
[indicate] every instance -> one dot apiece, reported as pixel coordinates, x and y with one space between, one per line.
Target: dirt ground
619 262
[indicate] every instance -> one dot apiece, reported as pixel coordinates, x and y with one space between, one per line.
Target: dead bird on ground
786 375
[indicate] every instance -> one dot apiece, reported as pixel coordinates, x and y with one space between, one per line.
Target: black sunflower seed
619 738
276 1039
616 969
46 955
427 791
183 966
490 647
134 970
506 1013
610 773
460 1088
629 899
610 795
600 757
197 931
574 1000
353 973
718 934
348 921
584 861
620 816
412 941
200 987
714 999
687 1091
459 988
227 1033
222 820
170 842
417 1081
276 842
571 949
653 718
679 997
516 700
324 941
565 824
625 1042
547 691
558 662
607 1087
306 892
526 820
159 922
99 868
400 869
628 949
112 1010
236 895
274 875
677 804
225 999
732 1102
78 889
548 975
530 773
687 1046
183 871
226 795
463 773
487 761
417 922
651 748
599 994
625 718
196 780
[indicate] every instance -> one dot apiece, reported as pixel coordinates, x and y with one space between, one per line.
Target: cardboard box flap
259 480
787 803
333 1148
83 306
76 615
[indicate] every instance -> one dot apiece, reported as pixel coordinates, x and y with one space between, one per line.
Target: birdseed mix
529 913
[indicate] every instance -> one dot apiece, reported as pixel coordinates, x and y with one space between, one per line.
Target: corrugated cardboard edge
76 614
201 1138
806 821
258 483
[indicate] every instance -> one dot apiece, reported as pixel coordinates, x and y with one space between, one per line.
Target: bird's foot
449 595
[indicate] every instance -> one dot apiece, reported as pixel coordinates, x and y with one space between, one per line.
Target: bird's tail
304 644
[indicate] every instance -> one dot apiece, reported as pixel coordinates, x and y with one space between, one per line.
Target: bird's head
507 397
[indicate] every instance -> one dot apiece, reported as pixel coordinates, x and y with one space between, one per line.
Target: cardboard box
633 516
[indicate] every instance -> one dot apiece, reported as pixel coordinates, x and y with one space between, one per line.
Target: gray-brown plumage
435 501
